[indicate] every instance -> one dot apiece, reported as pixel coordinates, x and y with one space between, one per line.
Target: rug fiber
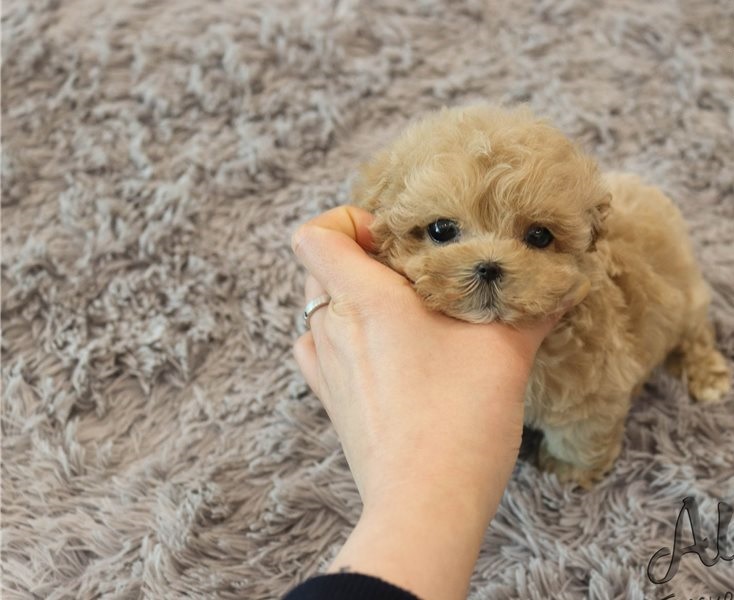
157 438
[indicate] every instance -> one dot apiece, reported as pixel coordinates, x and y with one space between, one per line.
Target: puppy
493 214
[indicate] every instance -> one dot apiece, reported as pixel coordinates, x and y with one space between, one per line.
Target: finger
305 354
312 288
541 329
531 335
335 259
349 220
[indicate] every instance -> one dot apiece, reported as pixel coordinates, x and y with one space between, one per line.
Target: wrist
427 544
467 490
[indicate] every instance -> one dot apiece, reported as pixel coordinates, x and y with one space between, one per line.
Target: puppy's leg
700 364
581 452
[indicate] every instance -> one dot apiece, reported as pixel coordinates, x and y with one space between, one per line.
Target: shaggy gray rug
157 438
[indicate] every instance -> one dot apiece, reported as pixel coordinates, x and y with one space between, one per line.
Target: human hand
428 409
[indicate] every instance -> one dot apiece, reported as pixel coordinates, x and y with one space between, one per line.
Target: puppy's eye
443 231
538 237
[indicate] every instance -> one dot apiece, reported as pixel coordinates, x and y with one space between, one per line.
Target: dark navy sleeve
343 586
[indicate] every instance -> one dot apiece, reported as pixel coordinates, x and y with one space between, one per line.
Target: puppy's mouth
482 303
467 298
499 291
483 294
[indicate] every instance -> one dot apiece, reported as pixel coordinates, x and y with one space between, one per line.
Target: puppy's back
650 258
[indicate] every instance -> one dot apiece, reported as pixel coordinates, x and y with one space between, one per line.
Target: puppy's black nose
488 271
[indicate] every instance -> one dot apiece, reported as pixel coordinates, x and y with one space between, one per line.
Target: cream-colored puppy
494 215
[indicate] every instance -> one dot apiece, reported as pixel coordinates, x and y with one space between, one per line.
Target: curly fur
620 255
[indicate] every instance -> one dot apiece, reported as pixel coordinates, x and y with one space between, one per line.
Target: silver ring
313 306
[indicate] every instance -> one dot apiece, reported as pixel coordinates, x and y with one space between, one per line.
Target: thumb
536 332
333 248
531 336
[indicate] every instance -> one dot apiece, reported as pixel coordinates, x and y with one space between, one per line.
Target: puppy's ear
383 238
377 182
598 215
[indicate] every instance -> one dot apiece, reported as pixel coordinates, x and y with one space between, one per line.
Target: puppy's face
489 213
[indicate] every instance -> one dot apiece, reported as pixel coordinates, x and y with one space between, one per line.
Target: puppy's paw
566 472
710 380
